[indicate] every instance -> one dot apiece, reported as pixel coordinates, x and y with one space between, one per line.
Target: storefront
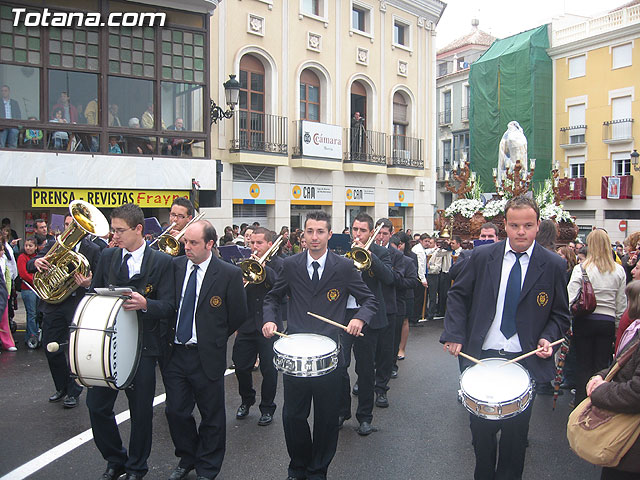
252 202
399 203
358 199
307 198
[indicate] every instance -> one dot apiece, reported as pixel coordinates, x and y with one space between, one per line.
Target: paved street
423 435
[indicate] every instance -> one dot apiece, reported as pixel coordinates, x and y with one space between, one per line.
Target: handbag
585 301
600 436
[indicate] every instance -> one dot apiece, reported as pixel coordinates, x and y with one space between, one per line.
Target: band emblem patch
542 299
333 294
215 301
148 289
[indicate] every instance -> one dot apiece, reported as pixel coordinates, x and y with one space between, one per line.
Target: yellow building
295 143
596 70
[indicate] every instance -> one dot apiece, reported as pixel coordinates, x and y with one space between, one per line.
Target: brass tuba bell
360 255
57 283
253 270
171 245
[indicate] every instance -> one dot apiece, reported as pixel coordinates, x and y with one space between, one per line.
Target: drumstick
281 334
331 322
532 352
469 357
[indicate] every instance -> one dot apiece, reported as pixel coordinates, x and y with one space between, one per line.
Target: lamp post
231 93
634 160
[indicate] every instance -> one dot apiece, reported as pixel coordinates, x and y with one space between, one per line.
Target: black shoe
381 400
354 390
365 429
394 373
112 473
180 473
265 419
70 401
133 476
342 419
243 411
56 397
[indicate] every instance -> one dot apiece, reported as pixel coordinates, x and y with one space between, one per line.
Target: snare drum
305 355
105 342
495 391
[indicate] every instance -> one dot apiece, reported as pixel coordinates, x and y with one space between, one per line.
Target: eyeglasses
177 215
119 231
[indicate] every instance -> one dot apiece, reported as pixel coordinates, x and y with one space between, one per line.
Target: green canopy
512 80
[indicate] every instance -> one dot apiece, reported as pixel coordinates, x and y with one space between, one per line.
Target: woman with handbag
622 393
594 333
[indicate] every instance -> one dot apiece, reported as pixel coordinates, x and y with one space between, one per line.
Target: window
621 164
460 146
400 33
75 94
182 106
446 107
361 19
577 66
21 83
576 167
621 55
251 116
309 96
443 69
400 124
621 127
311 7
576 123
446 154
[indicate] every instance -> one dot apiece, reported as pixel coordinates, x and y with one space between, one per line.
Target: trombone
253 270
166 230
360 255
170 244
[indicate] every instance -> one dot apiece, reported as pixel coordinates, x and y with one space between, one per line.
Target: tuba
253 271
360 255
56 284
171 245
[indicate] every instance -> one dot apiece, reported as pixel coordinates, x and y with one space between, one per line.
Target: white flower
494 207
551 210
466 207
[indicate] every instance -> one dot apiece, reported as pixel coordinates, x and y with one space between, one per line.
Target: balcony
573 188
573 137
445 118
616 188
364 146
317 145
464 114
406 152
259 132
618 131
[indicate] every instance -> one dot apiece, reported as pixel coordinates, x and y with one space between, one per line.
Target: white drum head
492 381
308 345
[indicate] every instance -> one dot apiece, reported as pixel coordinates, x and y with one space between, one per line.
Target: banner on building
321 140
360 197
400 198
311 194
62 197
254 193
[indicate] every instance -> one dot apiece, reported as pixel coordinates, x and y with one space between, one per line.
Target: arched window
358 99
251 104
400 121
309 96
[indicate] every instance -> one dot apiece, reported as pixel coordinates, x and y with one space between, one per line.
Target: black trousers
510 452
418 303
364 350
433 279
444 284
384 355
593 343
55 328
100 401
311 456
246 348
397 334
187 385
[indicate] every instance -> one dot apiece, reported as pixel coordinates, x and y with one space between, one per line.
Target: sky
502 19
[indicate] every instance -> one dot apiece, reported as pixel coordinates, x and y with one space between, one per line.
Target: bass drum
105 343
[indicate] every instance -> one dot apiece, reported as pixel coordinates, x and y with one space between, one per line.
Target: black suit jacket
91 252
456 267
255 298
406 282
101 243
15 109
378 278
543 308
221 309
329 299
391 294
155 282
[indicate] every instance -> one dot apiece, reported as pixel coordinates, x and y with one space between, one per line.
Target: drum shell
305 366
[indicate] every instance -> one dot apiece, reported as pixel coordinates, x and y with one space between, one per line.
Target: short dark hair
522 202
424 236
184 202
457 238
396 240
583 250
208 231
130 213
319 216
547 234
489 225
243 226
40 239
68 215
268 234
40 220
364 217
6 221
386 223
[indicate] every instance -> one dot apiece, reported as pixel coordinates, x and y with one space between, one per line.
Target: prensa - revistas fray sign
321 140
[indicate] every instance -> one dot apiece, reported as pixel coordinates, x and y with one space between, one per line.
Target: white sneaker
12 349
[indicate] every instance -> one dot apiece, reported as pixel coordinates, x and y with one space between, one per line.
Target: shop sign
321 140
400 198
254 193
62 197
311 194
359 196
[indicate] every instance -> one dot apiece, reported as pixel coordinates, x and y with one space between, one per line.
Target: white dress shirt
202 269
134 263
322 260
495 340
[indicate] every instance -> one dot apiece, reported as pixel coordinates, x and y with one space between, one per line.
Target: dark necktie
315 279
185 322
511 298
123 272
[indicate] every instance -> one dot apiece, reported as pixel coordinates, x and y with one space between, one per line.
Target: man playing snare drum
317 281
509 298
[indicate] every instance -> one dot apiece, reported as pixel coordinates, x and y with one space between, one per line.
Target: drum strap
116 260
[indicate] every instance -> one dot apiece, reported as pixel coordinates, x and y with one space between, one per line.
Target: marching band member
181 213
211 306
318 281
150 274
58 317
250 342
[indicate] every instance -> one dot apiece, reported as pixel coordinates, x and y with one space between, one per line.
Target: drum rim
294 357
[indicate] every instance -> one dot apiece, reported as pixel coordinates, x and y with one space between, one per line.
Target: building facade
335 110
596 67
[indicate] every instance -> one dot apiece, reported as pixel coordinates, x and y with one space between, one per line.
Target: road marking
58 451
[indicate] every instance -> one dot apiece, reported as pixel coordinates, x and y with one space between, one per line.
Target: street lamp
634 160
231 93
